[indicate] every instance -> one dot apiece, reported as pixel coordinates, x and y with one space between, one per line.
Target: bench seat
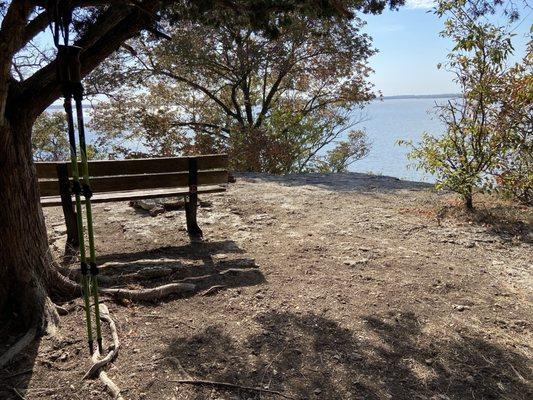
134 179
53 201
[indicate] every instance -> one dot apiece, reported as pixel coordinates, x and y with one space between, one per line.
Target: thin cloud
420 4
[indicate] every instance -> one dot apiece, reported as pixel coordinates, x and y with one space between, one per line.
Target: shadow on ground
209 265
309 356
507 222
205 272
343 182
15 378
194 251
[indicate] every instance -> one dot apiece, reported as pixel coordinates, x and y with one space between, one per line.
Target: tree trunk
25 259
469 204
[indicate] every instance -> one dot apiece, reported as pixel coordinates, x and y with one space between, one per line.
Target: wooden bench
121 180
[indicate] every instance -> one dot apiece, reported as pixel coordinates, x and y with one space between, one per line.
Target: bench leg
191 206
191 203
73 244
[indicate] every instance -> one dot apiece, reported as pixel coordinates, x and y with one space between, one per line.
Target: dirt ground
352 287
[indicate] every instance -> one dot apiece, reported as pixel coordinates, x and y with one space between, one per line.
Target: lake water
389 121
386 122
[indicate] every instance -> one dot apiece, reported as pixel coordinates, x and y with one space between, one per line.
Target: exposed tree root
113 353
213 290
151 294
98 364
61 285
61 310
65 286
21 344
145 273
111 386
46 323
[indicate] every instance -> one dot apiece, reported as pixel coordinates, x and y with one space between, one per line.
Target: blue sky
410 48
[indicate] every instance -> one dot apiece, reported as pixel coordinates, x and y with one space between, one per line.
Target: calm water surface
387 122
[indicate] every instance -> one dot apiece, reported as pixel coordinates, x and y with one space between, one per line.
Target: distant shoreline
422 96
397 97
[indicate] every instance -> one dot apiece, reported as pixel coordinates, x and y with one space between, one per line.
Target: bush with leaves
514 171
466 156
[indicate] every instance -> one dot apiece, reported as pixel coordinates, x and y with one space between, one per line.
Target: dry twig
232 385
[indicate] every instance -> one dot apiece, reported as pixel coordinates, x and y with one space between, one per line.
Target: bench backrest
148 173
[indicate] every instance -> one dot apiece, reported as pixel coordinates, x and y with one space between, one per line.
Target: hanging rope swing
69 77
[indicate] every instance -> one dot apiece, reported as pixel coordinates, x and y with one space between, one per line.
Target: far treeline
289 99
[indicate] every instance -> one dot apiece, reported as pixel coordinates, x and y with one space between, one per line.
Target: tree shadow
313 357
507 222
15 377
342 182
195 251
501 223
194 263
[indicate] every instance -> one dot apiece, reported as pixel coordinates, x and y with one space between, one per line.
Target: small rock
460 307
157 210
107 209
145 204
353 263
318 391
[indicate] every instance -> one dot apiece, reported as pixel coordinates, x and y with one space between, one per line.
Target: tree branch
116 25
11 32
201 88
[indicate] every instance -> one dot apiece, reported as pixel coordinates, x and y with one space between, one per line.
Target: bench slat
47 170
52 201
136 182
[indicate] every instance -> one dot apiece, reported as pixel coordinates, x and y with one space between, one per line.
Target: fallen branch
232 385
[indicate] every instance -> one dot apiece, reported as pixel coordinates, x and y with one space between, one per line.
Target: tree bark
25 260
469 204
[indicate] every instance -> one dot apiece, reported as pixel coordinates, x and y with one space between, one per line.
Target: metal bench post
72 245
191 205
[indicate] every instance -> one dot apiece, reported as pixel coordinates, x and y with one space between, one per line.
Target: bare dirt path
356 287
